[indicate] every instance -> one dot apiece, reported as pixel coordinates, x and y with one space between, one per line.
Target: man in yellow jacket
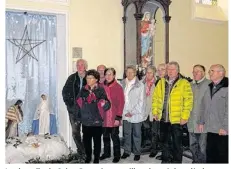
171 105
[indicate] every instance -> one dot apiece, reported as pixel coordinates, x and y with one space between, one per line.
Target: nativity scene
31 122
42 143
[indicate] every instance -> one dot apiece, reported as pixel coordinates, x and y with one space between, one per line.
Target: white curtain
35 73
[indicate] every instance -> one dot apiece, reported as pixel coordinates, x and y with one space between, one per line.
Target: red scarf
91 97
149 84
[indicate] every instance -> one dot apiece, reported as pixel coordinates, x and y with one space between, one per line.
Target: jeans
76 133
198 146
132 137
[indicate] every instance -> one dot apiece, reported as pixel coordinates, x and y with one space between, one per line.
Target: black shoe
152 154
96 161
143 146
159 157
125 155
165 162
81 155
104 156
137 158
116 159
88 160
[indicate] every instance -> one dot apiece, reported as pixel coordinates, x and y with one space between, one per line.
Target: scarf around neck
149 84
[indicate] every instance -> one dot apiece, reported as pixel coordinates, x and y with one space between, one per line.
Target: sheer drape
29 78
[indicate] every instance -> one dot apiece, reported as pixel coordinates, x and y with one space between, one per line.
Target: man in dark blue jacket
70 91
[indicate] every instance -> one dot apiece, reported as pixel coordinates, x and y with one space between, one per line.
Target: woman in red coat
113 116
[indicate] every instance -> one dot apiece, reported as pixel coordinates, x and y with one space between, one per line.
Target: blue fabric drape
53 128
29 78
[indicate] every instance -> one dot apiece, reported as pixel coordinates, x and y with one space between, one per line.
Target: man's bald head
101 69
217 72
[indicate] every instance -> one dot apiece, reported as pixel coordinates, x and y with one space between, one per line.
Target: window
209 10
207 2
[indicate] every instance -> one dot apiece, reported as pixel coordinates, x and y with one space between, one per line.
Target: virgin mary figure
44 121
147 33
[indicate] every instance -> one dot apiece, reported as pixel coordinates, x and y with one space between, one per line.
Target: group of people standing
99 104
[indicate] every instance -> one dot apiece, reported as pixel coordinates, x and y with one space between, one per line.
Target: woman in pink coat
112 118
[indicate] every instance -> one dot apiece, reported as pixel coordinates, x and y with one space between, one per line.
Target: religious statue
147 33
44 121
14 116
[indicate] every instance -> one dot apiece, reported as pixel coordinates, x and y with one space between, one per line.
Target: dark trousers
76 129
150 134
217 148
155 136
175 131
146 129
108 134
198 146
90 132
157 141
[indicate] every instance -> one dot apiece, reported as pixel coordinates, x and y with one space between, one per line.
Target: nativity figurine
14 116
44 121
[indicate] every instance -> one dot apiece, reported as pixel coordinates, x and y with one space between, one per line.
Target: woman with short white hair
133 114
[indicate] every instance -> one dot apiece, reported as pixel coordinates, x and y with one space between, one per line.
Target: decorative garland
71 158
17 143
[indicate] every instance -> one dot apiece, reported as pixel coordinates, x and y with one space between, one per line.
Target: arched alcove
142 31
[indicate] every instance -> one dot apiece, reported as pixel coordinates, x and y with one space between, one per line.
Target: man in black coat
70 91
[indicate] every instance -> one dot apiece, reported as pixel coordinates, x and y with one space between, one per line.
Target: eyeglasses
211 71
161 69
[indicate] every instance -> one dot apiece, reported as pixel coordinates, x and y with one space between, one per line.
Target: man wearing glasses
214 116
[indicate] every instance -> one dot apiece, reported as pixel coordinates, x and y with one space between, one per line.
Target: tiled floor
144 159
